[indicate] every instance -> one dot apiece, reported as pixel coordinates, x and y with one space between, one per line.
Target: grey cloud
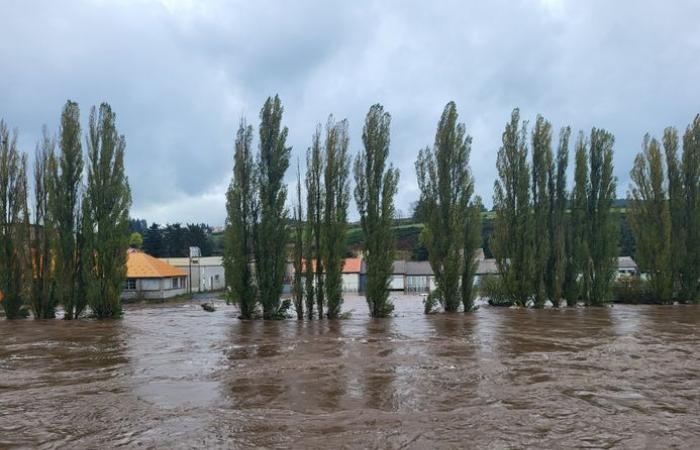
181 74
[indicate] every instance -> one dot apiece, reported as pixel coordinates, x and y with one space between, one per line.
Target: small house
150 278
204 273
351 274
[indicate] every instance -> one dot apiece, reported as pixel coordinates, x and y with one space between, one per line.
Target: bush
633 290
491 287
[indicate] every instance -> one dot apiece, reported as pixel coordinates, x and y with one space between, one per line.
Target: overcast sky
181 74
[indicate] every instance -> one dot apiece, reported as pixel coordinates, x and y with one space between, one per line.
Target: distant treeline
173 240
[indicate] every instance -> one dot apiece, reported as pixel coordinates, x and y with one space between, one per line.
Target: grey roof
626 262
418 268
399 267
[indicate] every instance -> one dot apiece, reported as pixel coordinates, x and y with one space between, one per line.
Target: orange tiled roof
352 265
142 265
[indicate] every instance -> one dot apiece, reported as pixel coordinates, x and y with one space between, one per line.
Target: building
626 267
207 272
150 278
351 274
398 276
419 277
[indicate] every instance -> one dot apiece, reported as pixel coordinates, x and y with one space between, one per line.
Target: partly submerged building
150 278
204 273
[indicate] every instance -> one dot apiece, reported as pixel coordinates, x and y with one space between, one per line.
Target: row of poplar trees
70 247
258 224
551 244
665 214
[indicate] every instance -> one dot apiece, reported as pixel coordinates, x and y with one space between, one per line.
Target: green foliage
541 170
64 206
599 225
314 214
446 186
336 197
269 232
298 252
690 176
43 298
241 208
135 240
14 225
512 240
153 241
634 290
376 186
651 220
493 288
105 221
472 240
558 201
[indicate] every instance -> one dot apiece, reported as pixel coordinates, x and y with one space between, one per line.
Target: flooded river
173 376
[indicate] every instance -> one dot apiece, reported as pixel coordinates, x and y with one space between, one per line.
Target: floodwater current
176 376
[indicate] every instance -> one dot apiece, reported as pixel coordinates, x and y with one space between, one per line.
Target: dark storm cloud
181 74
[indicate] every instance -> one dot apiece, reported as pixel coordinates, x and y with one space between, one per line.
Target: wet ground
173 376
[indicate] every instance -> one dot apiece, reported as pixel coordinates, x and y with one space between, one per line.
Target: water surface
176 376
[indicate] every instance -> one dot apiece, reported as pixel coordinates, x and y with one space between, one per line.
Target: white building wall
397 282
351 282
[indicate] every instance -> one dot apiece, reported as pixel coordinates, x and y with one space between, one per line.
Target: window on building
176 283
130 284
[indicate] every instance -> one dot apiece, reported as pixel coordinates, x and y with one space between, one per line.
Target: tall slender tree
446 186
512 238
298 253
42 235
14 222
105 221
314 215
470 265
242 212
375 188
558 203
650 219
541 168
335 209
690 176
577 277
270 231
676 210
66 179
601 225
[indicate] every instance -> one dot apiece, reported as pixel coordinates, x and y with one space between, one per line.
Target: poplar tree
335 209
577 277
470 265
270 233
690 176
650 219
676 210
376 185
105 221
314 214
512 237
601 225
242 211
14 223
446 186
42 237
541 167
298 252
64 206
558 203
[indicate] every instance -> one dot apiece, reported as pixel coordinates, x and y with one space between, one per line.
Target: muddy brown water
173 375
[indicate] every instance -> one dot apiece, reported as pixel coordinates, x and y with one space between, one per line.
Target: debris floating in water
208 307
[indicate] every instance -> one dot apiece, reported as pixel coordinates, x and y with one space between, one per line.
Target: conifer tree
270 231
650 219
376 185
242 212
446 186
512 238
42 235
335 209
14 224
298 252
105 217
541 167
64 205
314 215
